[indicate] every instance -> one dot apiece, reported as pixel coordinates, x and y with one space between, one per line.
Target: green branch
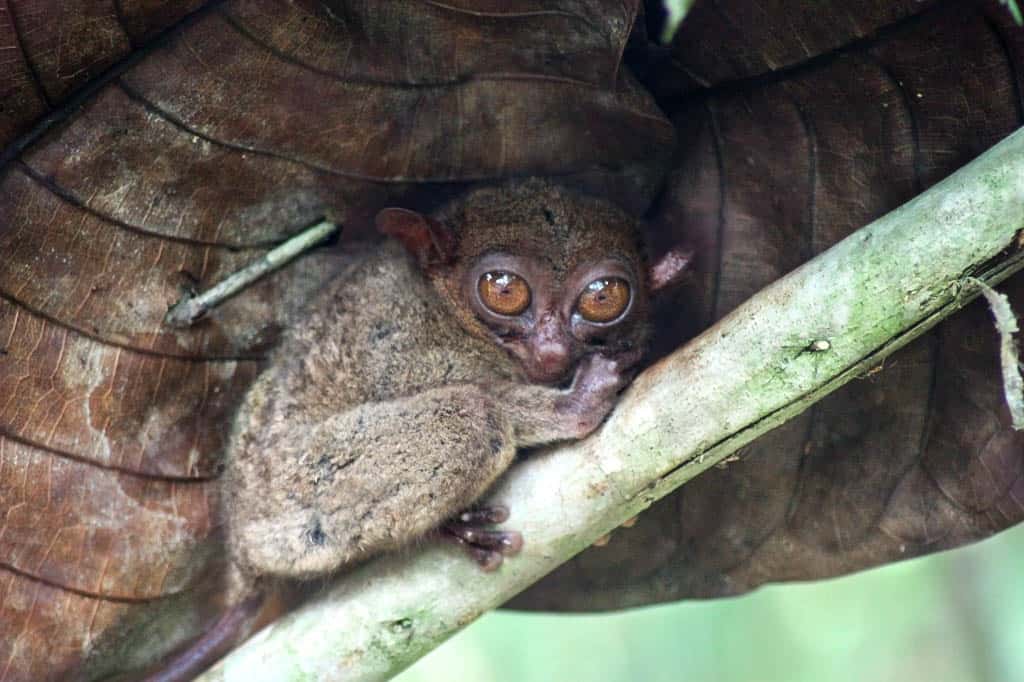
1014 10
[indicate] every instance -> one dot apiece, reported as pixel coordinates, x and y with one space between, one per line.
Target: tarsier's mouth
560 379
557 376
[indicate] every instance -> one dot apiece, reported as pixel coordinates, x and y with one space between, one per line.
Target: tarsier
510 318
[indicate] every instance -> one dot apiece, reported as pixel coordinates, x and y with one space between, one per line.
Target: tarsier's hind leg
372 478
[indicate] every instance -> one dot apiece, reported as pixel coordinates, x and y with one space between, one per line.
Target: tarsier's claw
511 543
506 542
487 547
484 516
489 561
629 359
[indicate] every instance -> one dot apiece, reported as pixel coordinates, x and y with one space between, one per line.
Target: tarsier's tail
203 652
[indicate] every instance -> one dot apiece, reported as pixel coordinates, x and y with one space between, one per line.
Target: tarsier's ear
430 241
670 269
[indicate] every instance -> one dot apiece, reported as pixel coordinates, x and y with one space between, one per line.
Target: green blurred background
954 617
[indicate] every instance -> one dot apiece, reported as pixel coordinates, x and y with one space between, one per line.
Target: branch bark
822 325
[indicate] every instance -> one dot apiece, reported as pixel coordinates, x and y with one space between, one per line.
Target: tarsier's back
377 332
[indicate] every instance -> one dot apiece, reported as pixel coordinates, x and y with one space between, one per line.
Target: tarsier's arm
542 415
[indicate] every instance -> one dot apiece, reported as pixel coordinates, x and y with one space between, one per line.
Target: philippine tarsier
510 318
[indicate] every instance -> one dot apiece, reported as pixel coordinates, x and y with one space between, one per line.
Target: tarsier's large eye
504 293
604 299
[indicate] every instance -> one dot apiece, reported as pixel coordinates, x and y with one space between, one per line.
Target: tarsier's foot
487 547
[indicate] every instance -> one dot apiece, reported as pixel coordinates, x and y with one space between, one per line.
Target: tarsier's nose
551 349
552 359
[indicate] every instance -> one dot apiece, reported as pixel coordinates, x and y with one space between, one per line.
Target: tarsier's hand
599 380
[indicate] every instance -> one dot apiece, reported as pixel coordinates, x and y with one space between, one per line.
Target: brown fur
394 406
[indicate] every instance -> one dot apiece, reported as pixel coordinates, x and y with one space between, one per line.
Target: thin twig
192 308
1006 326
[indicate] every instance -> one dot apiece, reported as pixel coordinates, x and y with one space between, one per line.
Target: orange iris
604 299
504 293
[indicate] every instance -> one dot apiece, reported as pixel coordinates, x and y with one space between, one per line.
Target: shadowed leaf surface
192 150
775 167
140 165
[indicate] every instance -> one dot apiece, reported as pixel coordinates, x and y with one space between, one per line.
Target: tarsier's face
551 276
546 274
548 319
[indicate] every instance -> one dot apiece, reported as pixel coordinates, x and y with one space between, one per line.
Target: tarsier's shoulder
378 331
384 283
356 308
